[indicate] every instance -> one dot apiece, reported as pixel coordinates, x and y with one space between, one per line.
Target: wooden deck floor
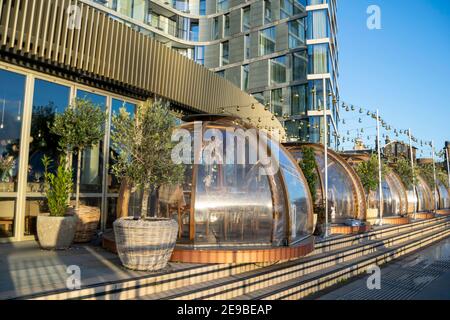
25 269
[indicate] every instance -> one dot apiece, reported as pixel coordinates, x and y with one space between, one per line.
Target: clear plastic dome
424 196
395 201
241 203
444 196
345 192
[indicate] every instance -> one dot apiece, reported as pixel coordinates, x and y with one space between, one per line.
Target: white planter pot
55 233
145 245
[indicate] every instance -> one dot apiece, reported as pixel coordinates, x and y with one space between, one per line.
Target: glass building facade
283 52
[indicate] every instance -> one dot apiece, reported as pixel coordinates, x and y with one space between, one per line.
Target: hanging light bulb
343 121
360 120
353 108
3 114
361 110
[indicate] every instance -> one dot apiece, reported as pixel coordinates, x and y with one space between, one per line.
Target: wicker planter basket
87 222
145 245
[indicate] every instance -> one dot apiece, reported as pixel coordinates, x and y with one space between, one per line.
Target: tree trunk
144 203
77 198
124 199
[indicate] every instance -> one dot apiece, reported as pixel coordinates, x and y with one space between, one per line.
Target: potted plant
56 229
6 167
368 173
309 167
144 148
81 127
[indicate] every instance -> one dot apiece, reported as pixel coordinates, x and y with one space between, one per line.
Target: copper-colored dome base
343 229
237 255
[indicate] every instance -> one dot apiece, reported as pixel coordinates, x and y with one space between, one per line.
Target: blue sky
403 68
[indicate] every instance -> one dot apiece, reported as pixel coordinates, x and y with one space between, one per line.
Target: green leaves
143 147
308 166
403 168
426 171
57 187
80 126
368 173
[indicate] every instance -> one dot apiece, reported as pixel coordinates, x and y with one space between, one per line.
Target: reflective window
113 183
245 76
298 100
12 92
267 41
297 33
318 24
48 100
247 46
200 55
92 161
299 66
246 19
222 5
225 53
278 70
226 31
267 11
318 59
277 102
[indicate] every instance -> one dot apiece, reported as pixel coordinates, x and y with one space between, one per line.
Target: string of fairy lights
358 125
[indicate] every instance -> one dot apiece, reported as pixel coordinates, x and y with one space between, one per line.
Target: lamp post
325 146
435 177
412 167
448 165
380 186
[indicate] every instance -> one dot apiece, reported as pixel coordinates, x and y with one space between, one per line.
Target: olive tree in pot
56 229
81 127
368 174
144 148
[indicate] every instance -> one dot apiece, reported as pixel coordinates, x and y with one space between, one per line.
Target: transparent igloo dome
345 192
234 197
444 196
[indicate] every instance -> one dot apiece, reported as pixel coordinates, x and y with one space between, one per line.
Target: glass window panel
300 66
297 33
277 102
278 70
246 19
92 160
267 41
225 53
48 100
11 111
245 77
298 100
112 181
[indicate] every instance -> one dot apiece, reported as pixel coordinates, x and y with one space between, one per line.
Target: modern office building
283 52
